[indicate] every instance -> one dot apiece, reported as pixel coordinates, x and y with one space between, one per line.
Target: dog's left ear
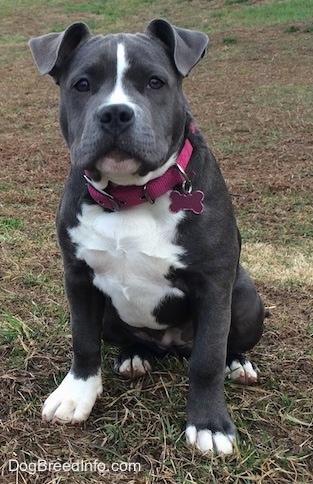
186 46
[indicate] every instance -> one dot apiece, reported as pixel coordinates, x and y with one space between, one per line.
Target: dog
146 227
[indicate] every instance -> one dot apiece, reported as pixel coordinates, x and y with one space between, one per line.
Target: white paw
242 373
73 400
131 368
207 441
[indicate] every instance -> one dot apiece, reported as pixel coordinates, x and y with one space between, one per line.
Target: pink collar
120 197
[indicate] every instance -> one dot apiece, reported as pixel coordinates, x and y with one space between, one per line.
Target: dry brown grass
278 264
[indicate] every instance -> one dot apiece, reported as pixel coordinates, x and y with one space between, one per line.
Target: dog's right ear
50 51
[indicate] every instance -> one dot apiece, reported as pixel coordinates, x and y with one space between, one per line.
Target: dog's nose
116 118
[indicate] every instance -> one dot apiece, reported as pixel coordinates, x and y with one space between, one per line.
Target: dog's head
122 109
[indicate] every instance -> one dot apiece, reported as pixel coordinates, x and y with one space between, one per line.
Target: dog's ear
186 46
51 50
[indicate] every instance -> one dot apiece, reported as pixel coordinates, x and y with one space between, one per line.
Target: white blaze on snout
119 95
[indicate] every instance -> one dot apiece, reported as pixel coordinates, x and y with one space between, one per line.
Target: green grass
111 13
109 8
257 140
229 39
232 2
13 328
286 96
266 14
10 227
15 38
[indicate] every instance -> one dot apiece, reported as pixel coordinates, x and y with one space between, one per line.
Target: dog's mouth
118 162
121 168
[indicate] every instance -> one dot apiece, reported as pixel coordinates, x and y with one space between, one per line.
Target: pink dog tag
187 201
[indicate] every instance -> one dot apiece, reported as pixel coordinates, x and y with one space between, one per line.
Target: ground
252 97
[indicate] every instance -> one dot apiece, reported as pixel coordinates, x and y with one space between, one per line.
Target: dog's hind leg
246 329
133 362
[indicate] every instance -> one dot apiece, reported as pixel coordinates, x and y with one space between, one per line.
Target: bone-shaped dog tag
187 201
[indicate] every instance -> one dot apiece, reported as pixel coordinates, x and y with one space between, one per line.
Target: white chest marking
130 253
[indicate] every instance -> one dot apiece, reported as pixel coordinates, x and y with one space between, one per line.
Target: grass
9 226
308 29
291 29
253 100
229 39
292 215
232 2
279 265
13 328
229 14
263 14
287 96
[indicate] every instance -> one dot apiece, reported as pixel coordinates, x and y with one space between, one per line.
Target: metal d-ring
186 185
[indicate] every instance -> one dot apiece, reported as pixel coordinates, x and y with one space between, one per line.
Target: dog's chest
131 253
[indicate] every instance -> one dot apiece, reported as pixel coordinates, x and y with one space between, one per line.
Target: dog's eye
82 85
155 83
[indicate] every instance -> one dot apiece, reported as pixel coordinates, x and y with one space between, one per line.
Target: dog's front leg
209 426
74 398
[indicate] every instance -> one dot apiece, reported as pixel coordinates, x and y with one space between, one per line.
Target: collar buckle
146 195
115 205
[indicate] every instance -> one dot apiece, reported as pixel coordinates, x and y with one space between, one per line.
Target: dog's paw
73 400
242 371
132 367
207 441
